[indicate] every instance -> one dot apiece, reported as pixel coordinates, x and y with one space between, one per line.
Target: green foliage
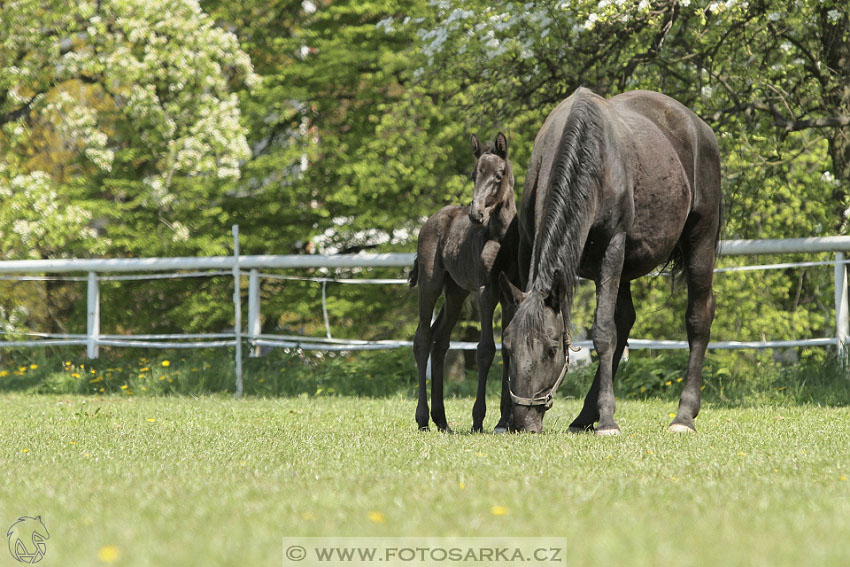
132 128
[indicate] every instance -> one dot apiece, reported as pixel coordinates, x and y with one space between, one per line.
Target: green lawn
214 481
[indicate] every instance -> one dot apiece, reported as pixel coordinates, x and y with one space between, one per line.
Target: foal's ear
510 292
501 146
476 146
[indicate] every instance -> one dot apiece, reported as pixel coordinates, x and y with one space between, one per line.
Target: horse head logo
27 539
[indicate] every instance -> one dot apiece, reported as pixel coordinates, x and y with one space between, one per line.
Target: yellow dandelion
75 375
377 517
844 477
100 390
33 366
96 380
144 389
679 379
499 511
642 389
4 373
26 450
741 453
671 414
73 442
152 420
22 369
166 363
124 386
108 554
261 380
668 382
144 369
461 485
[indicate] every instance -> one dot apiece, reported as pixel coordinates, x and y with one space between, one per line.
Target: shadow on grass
730 379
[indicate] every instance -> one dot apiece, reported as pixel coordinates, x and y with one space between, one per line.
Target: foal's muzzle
476 217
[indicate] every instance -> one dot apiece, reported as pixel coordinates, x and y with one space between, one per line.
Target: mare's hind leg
442 337
423 341
699 271
487 297
624 318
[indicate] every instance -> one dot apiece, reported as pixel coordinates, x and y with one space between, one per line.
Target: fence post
237 310
842 319
92 316
254 327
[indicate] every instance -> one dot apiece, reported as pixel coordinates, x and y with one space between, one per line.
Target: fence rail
239 266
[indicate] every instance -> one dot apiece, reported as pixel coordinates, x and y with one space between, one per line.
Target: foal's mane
568 205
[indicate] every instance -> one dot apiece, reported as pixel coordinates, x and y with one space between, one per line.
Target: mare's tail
413 276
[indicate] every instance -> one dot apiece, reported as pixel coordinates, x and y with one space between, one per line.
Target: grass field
215 481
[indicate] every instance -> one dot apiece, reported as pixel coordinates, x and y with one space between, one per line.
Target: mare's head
537 346
494 179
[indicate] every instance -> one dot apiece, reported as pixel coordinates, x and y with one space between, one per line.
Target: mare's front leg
624 318
605 331
442 338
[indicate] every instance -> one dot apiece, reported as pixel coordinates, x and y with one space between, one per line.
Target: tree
126 104
770 77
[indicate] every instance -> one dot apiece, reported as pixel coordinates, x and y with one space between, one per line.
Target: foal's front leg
484 353
605 331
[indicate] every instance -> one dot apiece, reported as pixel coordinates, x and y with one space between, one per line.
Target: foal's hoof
424 428
608 432
581 428
500 429
477 429
680 428
444 429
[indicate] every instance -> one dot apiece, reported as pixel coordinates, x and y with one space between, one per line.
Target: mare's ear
510 292
501 146
476 146
556 294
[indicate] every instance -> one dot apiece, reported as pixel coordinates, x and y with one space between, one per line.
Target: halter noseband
546 399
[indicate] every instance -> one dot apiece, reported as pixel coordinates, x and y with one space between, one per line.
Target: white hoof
680 428
607 432
500 430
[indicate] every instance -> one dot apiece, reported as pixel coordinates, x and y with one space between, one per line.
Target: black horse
463 250
614 189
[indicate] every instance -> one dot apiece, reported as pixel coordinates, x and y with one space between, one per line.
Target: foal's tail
413 276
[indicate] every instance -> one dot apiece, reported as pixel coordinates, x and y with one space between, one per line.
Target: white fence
98 270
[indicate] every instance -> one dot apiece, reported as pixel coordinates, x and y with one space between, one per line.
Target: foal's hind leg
422 343
624 318
487 297
442 336
699 271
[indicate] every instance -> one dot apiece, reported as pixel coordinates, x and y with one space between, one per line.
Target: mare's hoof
500 429
478 429
680 428
424 428
581 429
608 431
444 429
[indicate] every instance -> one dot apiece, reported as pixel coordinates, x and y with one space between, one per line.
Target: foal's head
493 176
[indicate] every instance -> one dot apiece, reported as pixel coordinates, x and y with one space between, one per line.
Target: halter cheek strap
545 400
